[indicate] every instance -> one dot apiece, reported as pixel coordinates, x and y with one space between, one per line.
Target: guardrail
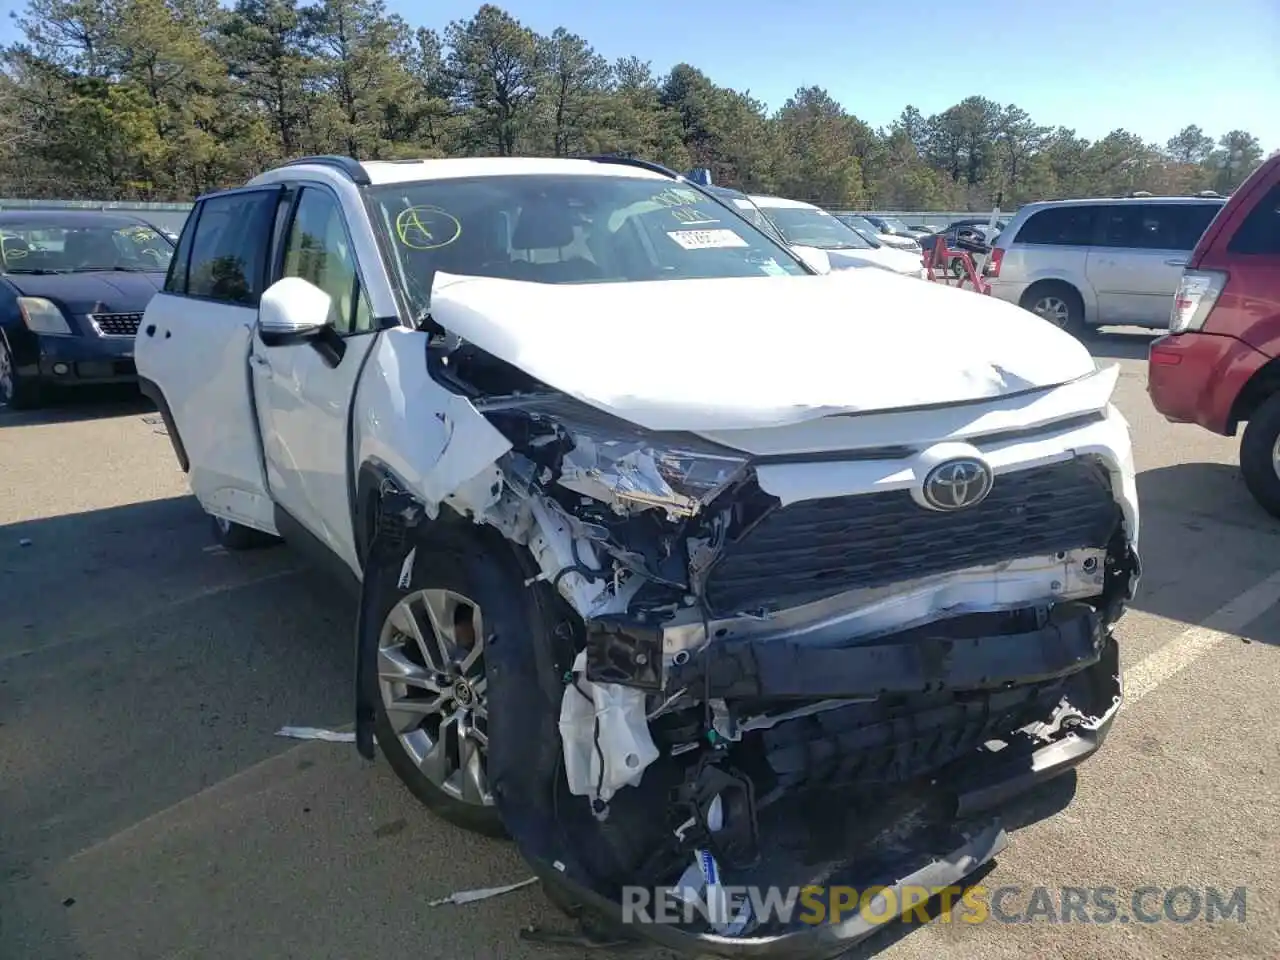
170 216
173 215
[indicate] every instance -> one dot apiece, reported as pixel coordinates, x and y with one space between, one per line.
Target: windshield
864 228
568 229
39 247
811 227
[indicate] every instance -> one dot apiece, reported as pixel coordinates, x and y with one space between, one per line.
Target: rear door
1138 261
1053 244
193 347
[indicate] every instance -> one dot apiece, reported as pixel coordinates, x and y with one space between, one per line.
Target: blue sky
1150 66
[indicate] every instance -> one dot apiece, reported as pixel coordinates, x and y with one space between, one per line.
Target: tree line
166 99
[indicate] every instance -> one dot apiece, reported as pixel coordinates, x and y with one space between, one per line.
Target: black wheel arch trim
151 390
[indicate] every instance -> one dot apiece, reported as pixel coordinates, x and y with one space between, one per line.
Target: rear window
1156 226
1260 232
1060 226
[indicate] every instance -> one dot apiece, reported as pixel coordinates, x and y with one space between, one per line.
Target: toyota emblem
957 484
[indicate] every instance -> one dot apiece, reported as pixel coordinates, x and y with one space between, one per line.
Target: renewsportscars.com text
954 904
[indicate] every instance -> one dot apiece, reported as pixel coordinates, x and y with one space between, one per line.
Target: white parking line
1225 623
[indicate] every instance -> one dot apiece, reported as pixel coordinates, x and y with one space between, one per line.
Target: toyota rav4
672 555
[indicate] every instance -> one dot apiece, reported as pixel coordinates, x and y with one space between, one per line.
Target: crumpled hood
104 291
730 354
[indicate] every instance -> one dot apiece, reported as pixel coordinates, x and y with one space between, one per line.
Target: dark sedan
73 287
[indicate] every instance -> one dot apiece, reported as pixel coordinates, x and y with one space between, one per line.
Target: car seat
13 252
89 248
549 225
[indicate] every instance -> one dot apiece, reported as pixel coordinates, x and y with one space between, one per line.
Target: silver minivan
1088 263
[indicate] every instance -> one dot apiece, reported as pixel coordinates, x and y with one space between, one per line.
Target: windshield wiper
117 270
33 271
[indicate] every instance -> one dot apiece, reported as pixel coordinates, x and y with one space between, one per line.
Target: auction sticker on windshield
707 239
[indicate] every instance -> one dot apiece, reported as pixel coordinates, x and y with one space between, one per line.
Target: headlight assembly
43 316
613 460
675 478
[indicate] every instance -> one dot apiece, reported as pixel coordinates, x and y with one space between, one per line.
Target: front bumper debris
813 942
871 809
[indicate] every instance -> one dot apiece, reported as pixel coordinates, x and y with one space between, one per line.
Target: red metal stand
940 257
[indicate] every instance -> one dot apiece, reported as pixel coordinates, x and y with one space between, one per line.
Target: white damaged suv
672 555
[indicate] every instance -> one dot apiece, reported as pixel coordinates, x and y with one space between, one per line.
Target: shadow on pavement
1047 800
139 665
1125 344
1204 540
82 403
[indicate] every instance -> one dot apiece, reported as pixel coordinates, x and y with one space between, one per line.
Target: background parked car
1218 367
804 225
73 286
874 233
1085 263
893 227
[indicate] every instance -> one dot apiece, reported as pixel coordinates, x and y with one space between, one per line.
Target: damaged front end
764 683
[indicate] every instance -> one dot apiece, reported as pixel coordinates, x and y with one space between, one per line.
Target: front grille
818 548
116 324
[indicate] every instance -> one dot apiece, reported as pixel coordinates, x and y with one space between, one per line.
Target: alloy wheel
1275 456
431 676
1053 309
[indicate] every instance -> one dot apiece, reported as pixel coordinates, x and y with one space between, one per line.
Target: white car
870 230
643 584
810 228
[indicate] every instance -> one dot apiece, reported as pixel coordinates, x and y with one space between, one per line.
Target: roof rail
633 162
1209 194
348 165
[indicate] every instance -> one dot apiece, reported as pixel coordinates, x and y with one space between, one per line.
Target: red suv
1220 364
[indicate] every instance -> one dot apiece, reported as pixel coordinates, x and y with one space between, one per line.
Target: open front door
192 351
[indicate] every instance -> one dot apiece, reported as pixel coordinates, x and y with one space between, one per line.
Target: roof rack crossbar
347 165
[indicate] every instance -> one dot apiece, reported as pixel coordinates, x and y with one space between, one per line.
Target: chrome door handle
1176 262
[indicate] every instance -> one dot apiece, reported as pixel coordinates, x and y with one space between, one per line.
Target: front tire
17 391
1260 455
431 717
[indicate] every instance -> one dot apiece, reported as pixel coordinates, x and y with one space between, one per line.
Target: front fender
431 440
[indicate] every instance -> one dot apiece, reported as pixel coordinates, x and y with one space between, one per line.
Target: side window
1260 232
1191 225
176 279
319 251
1060 226
1156 226
229 249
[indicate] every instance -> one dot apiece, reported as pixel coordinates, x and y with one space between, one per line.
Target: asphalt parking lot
148 811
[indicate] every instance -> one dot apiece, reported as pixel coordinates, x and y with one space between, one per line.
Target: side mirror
816 259
292 310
